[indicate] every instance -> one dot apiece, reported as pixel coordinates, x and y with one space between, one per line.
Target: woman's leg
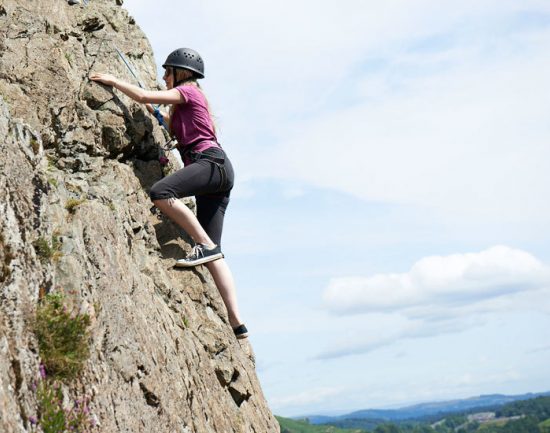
185 218
207 227
210 212
191 180
226 286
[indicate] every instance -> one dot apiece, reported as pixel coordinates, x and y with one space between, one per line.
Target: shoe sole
242 336
186 264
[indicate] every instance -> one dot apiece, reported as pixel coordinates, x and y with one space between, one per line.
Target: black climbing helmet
186 58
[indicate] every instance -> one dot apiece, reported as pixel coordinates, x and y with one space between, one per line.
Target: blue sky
389 227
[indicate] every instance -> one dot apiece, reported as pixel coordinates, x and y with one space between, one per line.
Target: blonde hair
185 77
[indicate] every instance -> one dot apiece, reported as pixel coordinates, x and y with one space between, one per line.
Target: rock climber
207 173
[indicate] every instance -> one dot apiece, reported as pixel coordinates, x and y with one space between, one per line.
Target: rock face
76 162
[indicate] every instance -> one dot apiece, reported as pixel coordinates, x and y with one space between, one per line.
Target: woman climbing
207 174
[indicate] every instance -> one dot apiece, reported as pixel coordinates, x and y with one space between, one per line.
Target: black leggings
203 179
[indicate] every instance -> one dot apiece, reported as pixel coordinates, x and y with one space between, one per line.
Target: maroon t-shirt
191 121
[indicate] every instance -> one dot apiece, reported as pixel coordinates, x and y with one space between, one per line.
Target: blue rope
159 117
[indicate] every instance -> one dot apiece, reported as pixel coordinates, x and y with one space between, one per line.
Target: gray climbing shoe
199 255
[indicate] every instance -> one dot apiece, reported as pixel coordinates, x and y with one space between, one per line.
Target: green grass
292 426
54 417
62 337
48 250
73 203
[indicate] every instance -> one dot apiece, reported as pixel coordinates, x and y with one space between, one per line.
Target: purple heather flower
33 420
42 371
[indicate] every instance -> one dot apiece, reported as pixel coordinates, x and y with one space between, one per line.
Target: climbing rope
157 112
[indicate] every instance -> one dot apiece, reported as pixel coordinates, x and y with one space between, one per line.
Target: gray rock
163 357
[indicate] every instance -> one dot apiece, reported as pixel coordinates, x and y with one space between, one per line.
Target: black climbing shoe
240 331
199 255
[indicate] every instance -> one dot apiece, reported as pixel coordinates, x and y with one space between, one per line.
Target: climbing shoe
240 331
199 255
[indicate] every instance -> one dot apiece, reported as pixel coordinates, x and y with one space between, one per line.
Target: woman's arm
172 96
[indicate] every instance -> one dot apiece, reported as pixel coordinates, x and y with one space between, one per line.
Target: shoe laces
196 252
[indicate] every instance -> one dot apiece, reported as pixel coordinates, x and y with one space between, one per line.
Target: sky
389 227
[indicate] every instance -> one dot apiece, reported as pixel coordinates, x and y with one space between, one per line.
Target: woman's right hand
107 79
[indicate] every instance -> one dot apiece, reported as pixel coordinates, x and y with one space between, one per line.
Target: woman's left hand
108 79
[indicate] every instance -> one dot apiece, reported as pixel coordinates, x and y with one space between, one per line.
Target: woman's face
168 78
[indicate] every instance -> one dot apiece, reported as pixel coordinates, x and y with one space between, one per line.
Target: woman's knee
159 193
163 203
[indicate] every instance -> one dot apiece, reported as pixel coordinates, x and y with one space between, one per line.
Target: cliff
77 160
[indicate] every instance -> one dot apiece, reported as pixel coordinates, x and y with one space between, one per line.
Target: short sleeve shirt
191 121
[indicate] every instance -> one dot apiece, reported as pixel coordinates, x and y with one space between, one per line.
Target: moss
97 308
53 182
62 336
73 203
185 321
69 58
51 162
35 145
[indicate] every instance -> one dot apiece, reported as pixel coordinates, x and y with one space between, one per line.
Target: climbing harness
217 161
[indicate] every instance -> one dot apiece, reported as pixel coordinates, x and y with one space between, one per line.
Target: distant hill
424 410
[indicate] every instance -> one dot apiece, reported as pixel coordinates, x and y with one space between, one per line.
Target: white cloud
539 349
470 140
439 295
437 284
387 332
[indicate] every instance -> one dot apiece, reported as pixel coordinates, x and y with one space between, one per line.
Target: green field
292 426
